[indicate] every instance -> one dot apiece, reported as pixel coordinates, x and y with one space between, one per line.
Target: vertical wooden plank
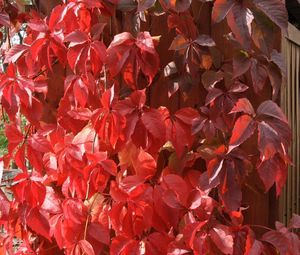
289 117
293 120
297 105
282 199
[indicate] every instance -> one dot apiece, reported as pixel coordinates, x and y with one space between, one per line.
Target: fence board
290 102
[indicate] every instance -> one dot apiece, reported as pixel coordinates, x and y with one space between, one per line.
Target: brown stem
88 216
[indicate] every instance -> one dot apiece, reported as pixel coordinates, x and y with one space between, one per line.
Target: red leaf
223 238
145 165
99 233
4 19
243 128
221 9
4 207
177 185
269 142
256 249
80 92
279 241
14 136
132 57
243 105
38 223
15 53
273 170
29 190
124 246
230 189
214 168
86 247
20 158
179 128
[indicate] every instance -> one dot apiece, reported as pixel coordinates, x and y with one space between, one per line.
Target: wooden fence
290 103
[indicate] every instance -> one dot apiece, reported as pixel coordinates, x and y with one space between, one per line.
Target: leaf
263 32
243 129
99 233
179 43
230 188
38 223
178 129
80 92
176 5
30 190
243 105
177 187
4 19
278 59
239 20
143 5
223 238
214 167
259 75
268 140
294 221
86 247
256 249
278 240
205 41
241 63
210 78
131 56
275 10
170 69
15 53
275 77
78 54
221 9
273 170
271 109
144 165
123 245
212 95
4 207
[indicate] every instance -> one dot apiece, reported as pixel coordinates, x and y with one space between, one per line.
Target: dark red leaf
239 19
241 63
275 10
271 109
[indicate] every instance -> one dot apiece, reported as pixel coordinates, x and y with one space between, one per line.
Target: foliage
111 174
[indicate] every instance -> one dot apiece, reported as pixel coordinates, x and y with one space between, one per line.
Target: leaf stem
263 227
